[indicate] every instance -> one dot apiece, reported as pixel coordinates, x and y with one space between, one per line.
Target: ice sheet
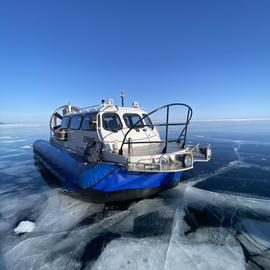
183 228
194 252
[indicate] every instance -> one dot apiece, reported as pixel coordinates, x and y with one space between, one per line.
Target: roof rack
88 108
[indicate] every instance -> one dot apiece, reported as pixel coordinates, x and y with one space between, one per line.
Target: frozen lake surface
217 218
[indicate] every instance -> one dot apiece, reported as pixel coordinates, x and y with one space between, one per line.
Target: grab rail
182 136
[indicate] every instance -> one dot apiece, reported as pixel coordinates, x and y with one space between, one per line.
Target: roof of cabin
109 108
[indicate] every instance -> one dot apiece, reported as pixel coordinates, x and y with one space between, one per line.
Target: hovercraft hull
102 180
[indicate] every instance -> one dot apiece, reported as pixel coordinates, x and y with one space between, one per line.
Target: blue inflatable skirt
103 180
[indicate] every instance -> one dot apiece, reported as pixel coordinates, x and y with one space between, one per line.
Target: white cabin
127 135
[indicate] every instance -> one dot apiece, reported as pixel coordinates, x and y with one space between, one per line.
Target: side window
147 121
65 122
131 119
89 121
111 121
75 121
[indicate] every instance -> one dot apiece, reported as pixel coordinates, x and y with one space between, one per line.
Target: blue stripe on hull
107 177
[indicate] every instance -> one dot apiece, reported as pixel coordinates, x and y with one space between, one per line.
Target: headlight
164 161
188 161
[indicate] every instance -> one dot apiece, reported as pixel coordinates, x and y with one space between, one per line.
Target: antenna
122 95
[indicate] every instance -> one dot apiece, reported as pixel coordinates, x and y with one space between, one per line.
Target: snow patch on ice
27 146
25 227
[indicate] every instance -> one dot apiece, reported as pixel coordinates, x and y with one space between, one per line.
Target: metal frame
183 133
57 115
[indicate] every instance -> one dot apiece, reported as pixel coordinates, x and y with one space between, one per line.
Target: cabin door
111 130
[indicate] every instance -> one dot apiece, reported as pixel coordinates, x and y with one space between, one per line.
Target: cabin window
111 121
148 121
89 121
65 122
133 118
75 121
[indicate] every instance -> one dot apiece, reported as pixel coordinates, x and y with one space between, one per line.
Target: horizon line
232 119
194 120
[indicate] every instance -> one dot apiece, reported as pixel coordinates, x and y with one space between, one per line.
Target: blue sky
213 55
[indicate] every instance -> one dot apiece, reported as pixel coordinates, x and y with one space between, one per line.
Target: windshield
131 119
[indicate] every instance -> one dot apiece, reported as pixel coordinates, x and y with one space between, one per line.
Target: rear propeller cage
181 140
59 114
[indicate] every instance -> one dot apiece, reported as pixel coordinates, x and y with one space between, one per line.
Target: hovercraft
118 153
